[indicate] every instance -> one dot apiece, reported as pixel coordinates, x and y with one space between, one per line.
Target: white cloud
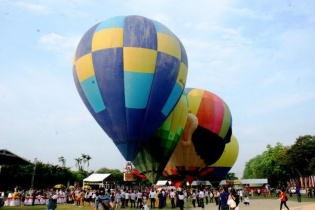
33 7
64 46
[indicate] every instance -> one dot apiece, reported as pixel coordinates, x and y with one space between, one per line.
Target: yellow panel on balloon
168 45
108 38
181 78
229 156
132 61
179 114
84 67
194 98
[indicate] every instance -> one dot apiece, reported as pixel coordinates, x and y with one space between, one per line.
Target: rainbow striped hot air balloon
208 129
214 123
130 73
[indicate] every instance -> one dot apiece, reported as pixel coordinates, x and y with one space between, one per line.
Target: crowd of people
150 198
179 197
127 198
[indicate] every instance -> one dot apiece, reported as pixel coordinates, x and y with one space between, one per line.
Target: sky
258 56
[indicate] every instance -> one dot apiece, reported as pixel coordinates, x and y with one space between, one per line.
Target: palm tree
88 158
78 162
83 159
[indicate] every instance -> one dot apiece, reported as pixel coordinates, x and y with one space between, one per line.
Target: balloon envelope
153 157
130 73
208 126
214 123
184 158
218 170
171 173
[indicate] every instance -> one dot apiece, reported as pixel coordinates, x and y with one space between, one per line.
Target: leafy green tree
268 165
231 176
280 163
78 163
88 158
46 176
300 156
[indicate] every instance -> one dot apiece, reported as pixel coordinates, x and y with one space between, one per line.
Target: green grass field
72 207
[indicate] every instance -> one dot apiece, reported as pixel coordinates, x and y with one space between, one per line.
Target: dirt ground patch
269 204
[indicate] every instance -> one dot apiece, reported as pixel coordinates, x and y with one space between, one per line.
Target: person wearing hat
103 201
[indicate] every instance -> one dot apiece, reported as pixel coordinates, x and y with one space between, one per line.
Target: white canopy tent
163 183
197 183
96 179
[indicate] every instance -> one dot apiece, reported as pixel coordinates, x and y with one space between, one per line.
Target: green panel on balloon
153 157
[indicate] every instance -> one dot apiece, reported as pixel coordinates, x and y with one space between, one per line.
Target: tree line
280 163
46 175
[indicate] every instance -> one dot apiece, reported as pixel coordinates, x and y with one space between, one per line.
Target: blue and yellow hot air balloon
130 72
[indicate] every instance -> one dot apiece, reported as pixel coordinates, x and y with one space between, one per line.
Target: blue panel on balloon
91 91
81 93
166 71
160 28
105 122
220 172
139 32
115 22
128 150
167 68
137 93
135 122
109 74
84 46
101 117
172 100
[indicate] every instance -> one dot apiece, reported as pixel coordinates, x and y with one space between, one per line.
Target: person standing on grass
181 198
172 196
298 195
52 202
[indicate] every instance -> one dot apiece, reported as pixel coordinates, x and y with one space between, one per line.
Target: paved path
268 204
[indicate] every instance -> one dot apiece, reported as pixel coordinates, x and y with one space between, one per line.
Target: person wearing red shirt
283 199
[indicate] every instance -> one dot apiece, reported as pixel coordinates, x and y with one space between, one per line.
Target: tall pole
33 175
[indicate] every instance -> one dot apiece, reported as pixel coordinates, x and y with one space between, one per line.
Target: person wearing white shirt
127 194
211 196
172 196
139 199
122 195
181 198
132 199
207 196
201 199
152 198
240 193
193 197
